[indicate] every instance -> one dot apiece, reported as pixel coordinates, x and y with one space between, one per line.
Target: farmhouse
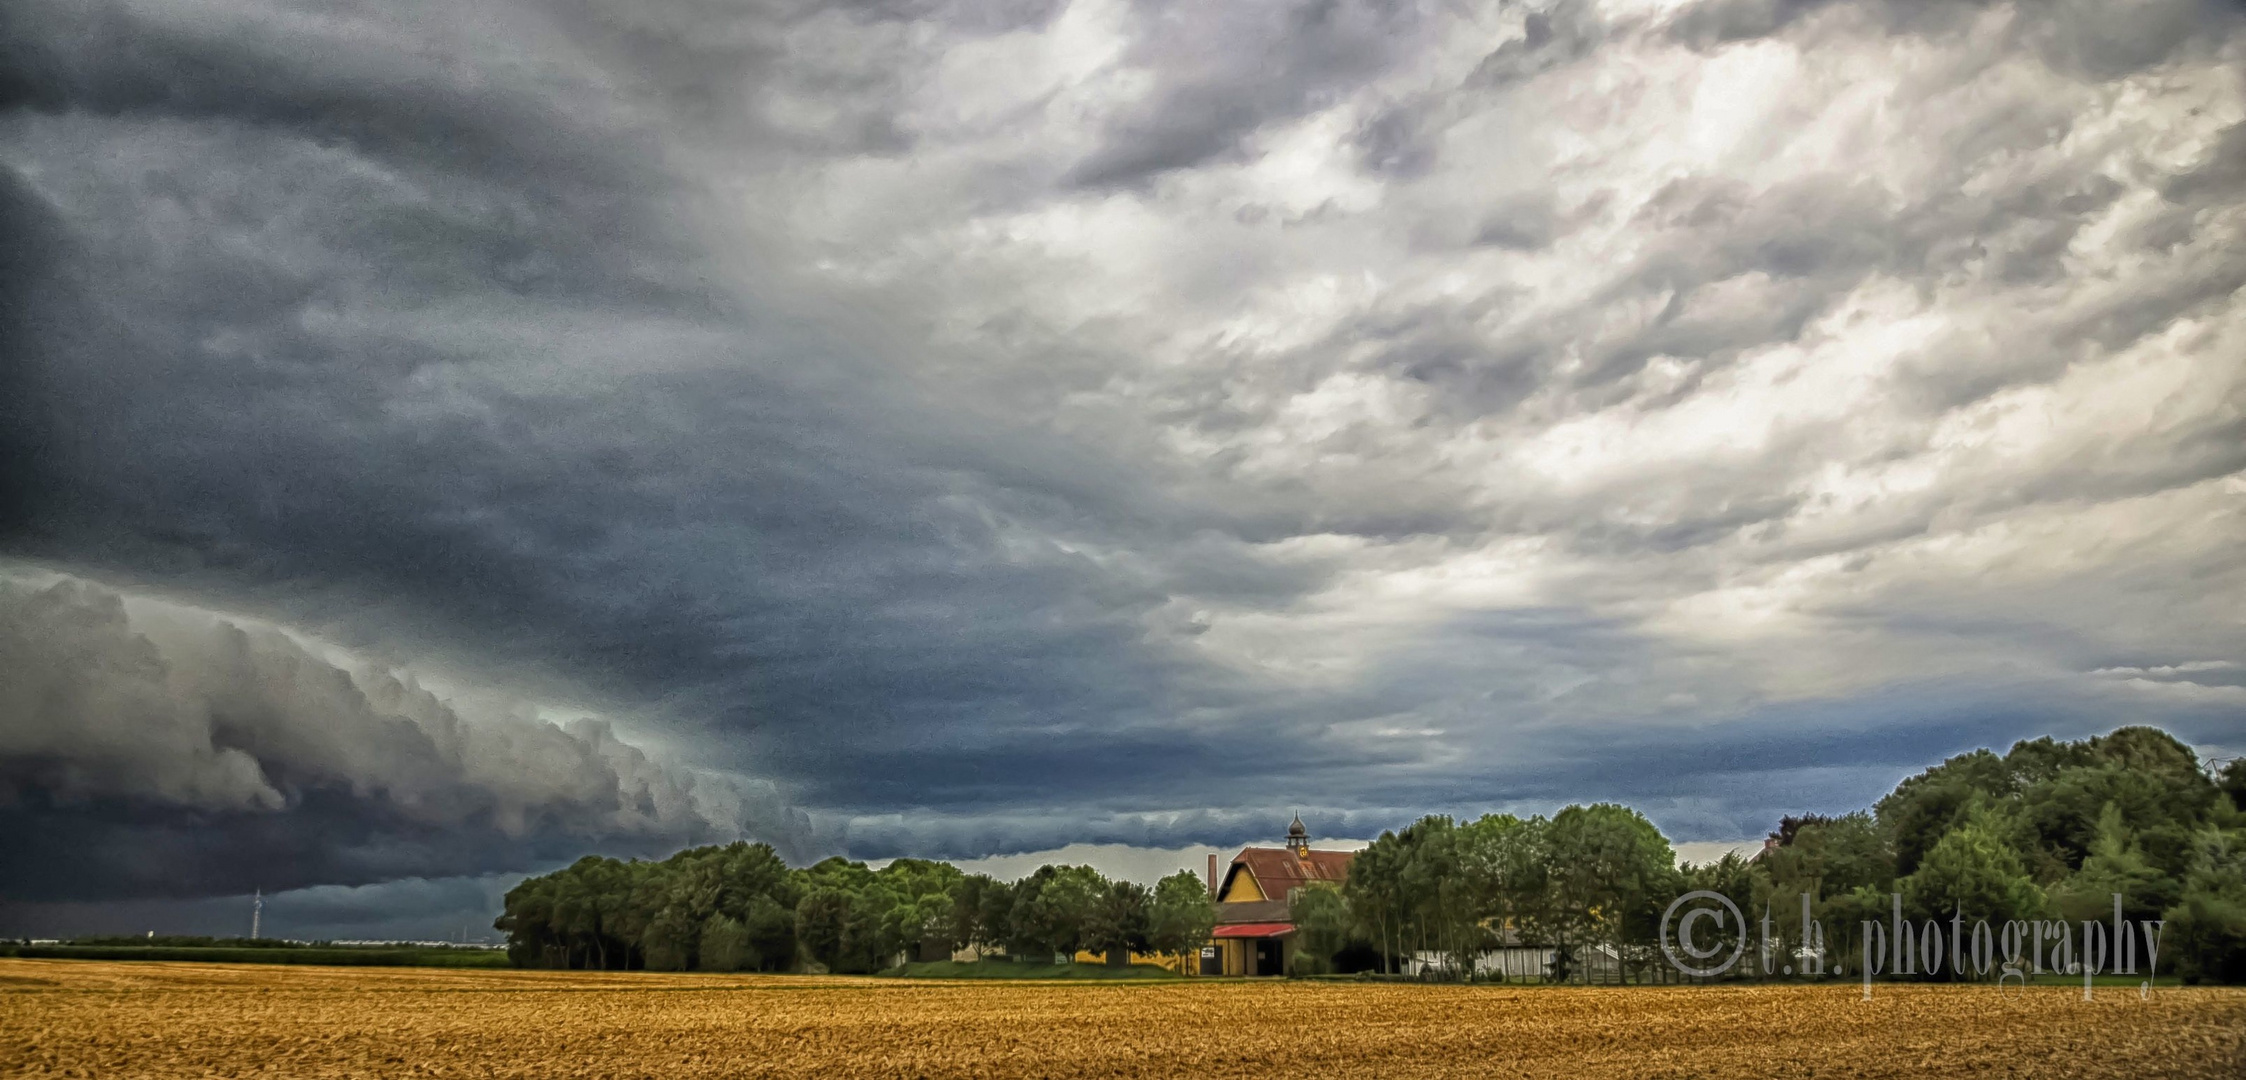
1254 935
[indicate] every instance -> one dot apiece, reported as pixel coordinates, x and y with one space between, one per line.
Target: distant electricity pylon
257 912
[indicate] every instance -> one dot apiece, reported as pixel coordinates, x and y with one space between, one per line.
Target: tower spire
1298 838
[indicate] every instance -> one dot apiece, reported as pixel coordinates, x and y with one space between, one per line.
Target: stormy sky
440 439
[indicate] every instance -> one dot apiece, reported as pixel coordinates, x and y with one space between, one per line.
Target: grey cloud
1697 781
2224 171
801 573
1723 21
1564 32
2225 673
2098 40
2110 40
291 771
1400 139
1715 23
652 355
347 82
1392 143
1222 72
1520 226
1817 238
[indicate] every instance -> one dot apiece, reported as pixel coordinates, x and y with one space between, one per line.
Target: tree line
2047 830
740 908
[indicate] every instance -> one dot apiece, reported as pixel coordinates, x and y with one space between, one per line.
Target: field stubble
86 1018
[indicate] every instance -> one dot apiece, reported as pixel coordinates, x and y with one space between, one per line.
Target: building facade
1254 933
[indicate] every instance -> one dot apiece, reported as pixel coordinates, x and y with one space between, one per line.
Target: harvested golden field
84 1018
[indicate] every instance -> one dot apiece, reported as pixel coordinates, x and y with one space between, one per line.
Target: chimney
1212 875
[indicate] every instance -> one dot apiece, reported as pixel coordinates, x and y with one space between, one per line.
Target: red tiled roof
1255 929
1278 869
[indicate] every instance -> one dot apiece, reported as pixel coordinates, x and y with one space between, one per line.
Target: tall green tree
1830 860
2231 779
1180 915
725 946
2207 927
919 920
670 940
1322 928
822 926
1831 857
1507 873
1052 909
1924 808
1745 884
1118 922
2115 867
2050 794
769 928
527 919
1612 874
1375 894
1974 872
1439 899
995 914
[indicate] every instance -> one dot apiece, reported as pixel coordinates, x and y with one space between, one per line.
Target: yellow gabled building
1254 933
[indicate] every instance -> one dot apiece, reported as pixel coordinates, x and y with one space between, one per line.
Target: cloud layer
1013 425
225 759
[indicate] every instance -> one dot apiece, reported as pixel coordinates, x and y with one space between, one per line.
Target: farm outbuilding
1254 933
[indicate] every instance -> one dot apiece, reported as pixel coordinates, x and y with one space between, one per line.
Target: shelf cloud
225 759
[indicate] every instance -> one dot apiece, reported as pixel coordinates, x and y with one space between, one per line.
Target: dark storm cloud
305 342
25 311
1698 781
834 391
198 758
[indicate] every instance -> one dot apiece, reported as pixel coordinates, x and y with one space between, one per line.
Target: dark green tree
670 940
2208 925
1118 922
1612 875
725 946
1051 915
1507 873
1924 808
2232 780
2115 867
1322 925
1375 894
995 915
919 921
1180 916
1972 871
822 925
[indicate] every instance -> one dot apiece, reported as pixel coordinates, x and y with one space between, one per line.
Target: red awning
1256 929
